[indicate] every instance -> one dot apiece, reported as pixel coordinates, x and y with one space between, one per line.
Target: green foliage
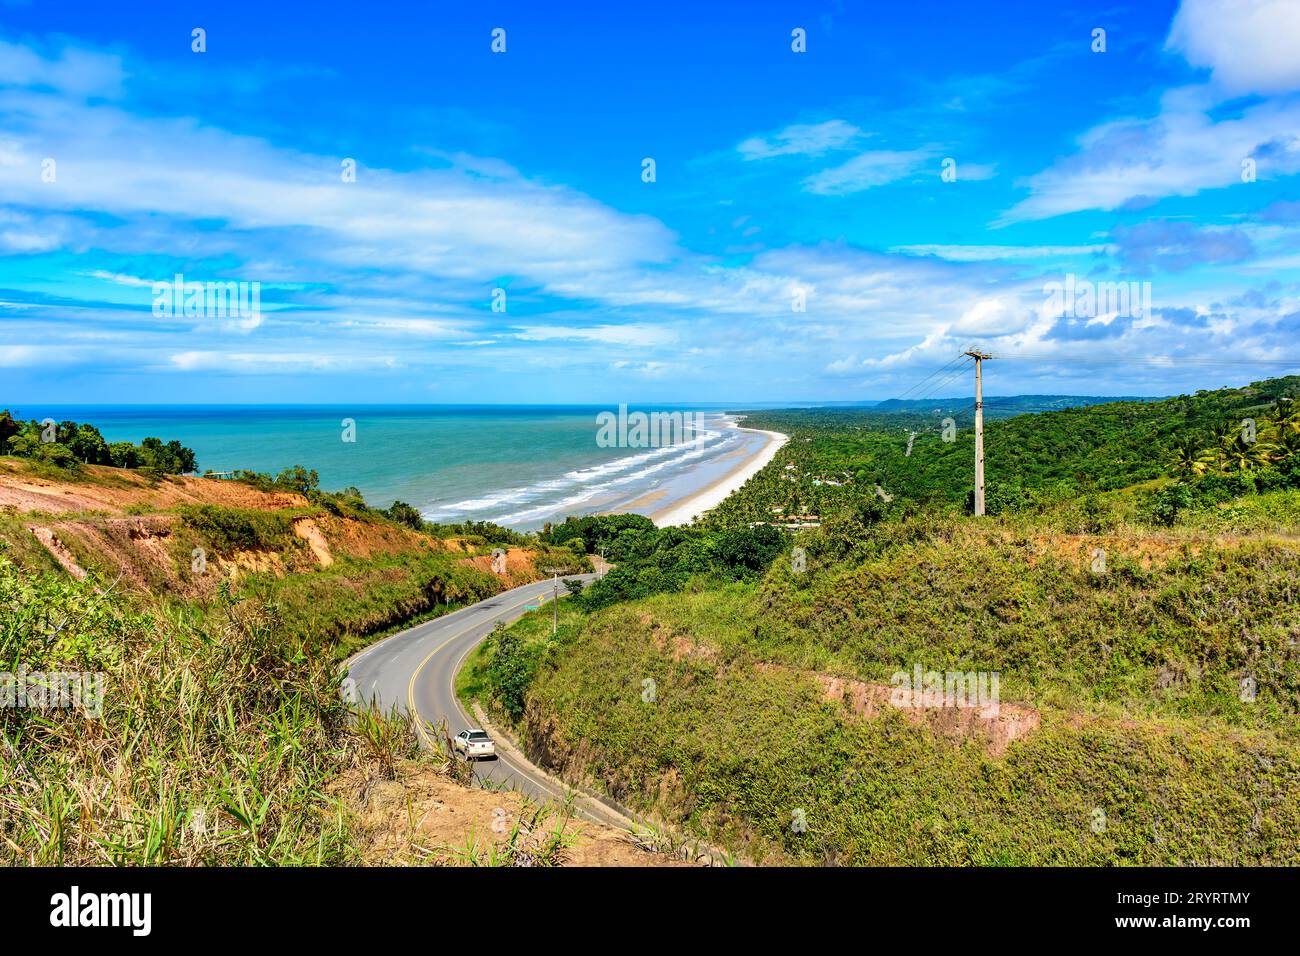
483 531
344 607
78 443
234 529
728 751
1169 503
597 531
403 513
512 664
1034 462
216 743
655 560
298 479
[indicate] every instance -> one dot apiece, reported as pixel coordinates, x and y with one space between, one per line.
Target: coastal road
415 671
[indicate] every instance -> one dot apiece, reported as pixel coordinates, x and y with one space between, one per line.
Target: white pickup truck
474 744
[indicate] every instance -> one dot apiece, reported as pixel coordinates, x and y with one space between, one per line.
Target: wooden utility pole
555 600
979 358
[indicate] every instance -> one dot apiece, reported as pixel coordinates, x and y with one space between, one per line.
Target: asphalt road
415 671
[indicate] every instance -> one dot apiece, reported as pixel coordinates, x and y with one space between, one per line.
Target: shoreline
685 510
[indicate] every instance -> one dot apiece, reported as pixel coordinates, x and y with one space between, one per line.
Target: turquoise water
515 465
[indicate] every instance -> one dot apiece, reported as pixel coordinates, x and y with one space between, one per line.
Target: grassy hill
214 614
1030 459
339 573
1147 654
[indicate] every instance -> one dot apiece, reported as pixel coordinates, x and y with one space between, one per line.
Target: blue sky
799 241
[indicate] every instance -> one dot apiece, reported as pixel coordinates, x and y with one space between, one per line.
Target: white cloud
118 278
801 140
440 222
643 336
1251 46
959 253
866 170
994 315
1180 152
642 369
974 172
273 362
75 71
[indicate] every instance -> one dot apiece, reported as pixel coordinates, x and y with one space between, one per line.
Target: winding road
415 670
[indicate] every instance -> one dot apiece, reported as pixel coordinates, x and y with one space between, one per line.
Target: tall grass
216 740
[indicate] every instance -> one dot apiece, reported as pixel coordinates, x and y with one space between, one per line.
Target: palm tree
1241 455
1288 423
1189 460
1288 438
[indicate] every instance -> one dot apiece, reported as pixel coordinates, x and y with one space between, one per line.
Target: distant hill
1068 450
1003 406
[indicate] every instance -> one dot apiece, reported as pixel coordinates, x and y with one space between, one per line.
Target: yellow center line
410 687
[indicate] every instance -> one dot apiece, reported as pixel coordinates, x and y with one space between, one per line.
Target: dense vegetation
69 444
652 560
1034 461
732 750
1135 590
214 744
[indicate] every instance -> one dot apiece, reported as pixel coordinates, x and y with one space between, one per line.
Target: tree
1189 460
405 514
181 458
8 429
1170 502
299 479
511 669
1240 455
123 454
53 453
88 445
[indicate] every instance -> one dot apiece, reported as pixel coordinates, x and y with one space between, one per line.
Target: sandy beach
686 510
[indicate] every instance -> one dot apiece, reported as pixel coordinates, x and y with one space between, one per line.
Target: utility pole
979 358
555 600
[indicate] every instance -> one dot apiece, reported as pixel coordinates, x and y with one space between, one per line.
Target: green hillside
1137 603
1030 459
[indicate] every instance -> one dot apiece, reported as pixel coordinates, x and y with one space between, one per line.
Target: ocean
519 466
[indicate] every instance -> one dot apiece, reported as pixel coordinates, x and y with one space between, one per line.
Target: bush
237 529
511 669
1169 503
298 479
403 513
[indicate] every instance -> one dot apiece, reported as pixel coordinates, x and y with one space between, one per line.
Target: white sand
686 510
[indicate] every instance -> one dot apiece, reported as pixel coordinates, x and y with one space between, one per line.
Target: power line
939 386
959 359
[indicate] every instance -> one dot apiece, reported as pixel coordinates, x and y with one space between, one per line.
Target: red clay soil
116 489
